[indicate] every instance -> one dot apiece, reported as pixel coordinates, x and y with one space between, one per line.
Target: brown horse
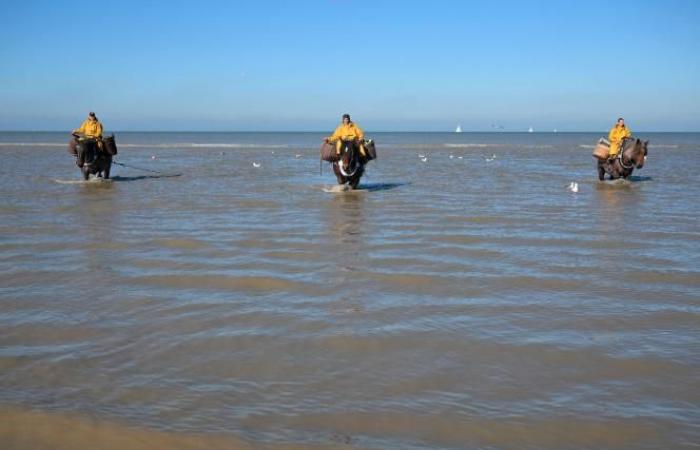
632 155
94 156
351 164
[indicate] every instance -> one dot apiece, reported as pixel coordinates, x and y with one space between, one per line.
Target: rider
90 128
347 130
616 136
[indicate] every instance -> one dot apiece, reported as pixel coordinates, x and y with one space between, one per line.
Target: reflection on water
462 302
346 217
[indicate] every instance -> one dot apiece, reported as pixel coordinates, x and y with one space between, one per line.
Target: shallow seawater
220 293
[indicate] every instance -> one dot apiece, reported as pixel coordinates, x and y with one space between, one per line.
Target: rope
134 167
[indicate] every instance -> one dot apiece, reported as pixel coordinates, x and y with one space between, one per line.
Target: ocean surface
468 301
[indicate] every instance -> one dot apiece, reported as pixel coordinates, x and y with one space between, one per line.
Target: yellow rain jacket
349 131
90 128
616 135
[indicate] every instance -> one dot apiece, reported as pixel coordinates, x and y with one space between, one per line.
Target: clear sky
394 65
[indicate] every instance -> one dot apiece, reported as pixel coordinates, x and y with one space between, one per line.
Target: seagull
491 158
460 157
451 156
421 156
256 164
424 158
153 156
297 156
573 187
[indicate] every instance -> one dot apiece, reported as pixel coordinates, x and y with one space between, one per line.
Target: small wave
233 145
473 145
33 144
171 145
92 180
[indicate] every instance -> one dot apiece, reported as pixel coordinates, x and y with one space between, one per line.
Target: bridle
621 158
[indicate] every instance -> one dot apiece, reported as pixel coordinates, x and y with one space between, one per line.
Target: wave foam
473 145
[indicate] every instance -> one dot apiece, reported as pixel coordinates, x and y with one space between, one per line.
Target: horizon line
366 132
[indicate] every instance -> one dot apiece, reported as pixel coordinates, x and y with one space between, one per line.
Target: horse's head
634 151
110 145
349 156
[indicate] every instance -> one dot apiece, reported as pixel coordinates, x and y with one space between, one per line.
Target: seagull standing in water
573 187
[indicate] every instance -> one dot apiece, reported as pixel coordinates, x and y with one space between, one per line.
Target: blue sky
395 66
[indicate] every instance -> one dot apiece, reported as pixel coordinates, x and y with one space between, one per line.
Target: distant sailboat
530 130
458 129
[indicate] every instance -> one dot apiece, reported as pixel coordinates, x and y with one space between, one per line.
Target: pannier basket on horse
328 152
602 149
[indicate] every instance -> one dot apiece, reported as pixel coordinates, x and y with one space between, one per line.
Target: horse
633 154
94 156
351 164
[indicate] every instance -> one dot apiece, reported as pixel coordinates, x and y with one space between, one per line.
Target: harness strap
622 163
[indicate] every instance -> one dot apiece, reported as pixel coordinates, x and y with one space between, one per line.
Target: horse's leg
601 172
86 173
356 178
108 167
339 176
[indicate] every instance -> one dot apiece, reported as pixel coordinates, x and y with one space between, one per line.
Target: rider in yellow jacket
616 135
347 130
90 128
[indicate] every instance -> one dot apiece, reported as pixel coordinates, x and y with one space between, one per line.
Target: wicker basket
328 152
602 149
73 146
370 149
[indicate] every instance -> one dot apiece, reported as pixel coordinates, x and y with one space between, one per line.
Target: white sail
458 129
530 130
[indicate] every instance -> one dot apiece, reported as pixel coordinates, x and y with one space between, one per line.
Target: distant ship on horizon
458 129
